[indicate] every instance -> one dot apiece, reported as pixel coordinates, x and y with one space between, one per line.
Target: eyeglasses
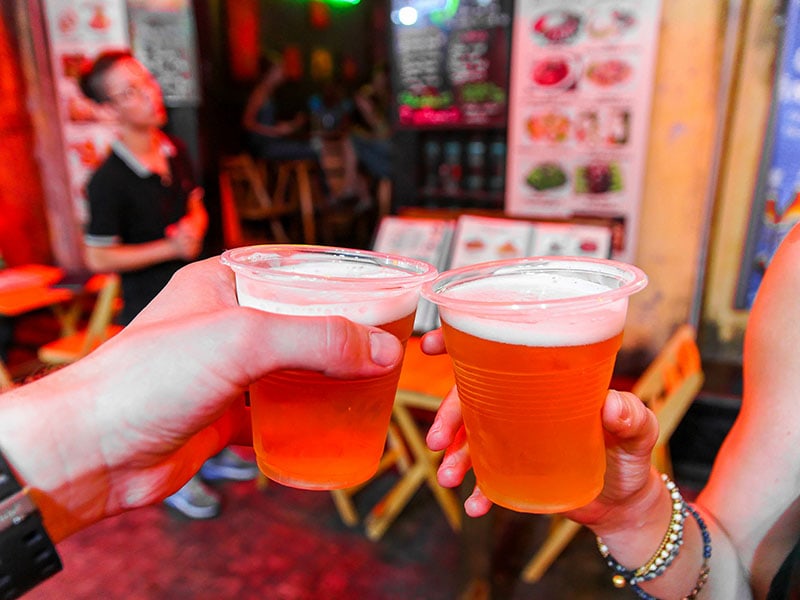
133 92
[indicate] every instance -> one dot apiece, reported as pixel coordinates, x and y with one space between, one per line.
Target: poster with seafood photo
579 109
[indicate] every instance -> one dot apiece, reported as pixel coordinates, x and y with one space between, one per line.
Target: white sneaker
227 465
195 500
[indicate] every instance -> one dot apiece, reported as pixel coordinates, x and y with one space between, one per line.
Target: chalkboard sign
451 62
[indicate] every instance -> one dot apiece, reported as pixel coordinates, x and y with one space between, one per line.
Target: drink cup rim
242 260
632 279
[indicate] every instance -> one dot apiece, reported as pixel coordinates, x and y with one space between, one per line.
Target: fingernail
383 348
447 473
624 409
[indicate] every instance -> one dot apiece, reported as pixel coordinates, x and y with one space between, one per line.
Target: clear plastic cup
311 431
533 343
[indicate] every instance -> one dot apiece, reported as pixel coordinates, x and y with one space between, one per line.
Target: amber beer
533 344
316 432
311 431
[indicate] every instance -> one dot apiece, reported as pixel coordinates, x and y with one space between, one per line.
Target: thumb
331 345
629 423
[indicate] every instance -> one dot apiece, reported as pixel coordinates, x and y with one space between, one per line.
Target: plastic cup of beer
311 431
533 343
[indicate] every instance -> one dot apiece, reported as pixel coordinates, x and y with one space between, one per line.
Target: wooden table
27 288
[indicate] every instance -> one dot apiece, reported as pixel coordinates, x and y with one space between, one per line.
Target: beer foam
536 326
525 287
358 303
339 269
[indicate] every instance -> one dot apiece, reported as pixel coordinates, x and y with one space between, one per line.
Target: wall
723 326
695 136
23 227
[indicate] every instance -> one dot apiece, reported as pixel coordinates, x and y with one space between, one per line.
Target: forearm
131 257
47 436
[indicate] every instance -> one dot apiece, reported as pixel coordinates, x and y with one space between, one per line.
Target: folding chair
99 328
668 386
245 200
396 455
424 381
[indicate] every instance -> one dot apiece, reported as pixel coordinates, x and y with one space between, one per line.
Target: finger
477 504
629 423
215 356
433 342
456 462
446 423
331 345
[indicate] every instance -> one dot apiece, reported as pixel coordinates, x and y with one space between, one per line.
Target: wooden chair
424 381
296 185
396 455
99 328
246 201
668 386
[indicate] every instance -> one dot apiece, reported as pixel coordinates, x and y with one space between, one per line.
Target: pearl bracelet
667 550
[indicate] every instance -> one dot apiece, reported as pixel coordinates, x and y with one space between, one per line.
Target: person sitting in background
372 131
741 538
147 219
331 120
276 127
130 423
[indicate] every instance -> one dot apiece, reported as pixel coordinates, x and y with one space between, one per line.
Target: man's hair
92 80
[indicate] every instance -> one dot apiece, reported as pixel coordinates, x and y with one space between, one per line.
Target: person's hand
186 236
130 423
631 431
196 212
184 240
283 129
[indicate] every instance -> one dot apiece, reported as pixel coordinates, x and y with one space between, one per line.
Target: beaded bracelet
667 549
705 568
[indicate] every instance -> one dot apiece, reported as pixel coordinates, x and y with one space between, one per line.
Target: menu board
450 62
424 239
579 111
163 38
480 239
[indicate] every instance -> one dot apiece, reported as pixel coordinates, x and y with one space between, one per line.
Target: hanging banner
78 32
579 111
776 203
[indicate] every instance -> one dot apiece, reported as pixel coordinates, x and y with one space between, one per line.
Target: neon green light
439 17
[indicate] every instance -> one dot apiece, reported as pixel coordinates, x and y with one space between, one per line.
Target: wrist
646 511
46 434
27 554
680 564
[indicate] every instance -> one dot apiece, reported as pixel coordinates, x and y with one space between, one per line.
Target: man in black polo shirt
147 220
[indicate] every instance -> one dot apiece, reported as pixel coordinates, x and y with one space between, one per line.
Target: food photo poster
579 107
77 33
